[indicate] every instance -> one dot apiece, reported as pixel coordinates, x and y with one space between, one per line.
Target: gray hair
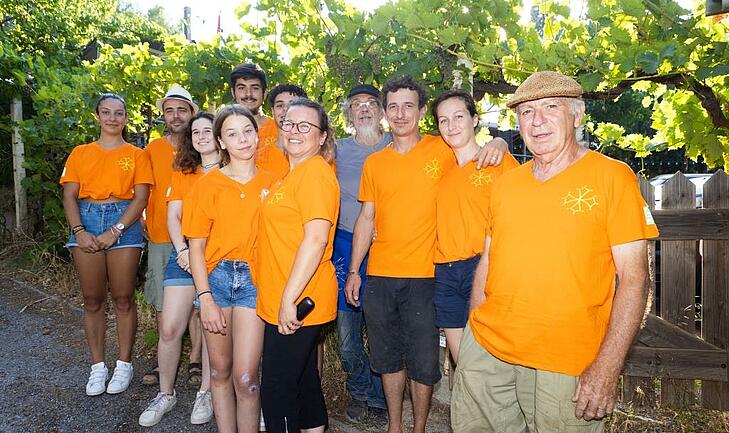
347 105
576 105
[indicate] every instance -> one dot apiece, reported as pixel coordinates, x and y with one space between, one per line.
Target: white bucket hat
177 92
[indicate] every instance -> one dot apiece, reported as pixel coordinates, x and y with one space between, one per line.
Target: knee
93 305
246 385
219 374
169 333
123 304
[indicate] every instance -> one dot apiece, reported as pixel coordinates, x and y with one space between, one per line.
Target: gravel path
44 367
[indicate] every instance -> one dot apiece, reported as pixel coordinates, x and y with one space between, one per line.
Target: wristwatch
120 227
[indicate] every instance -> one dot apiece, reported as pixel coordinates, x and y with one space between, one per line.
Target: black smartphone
303 308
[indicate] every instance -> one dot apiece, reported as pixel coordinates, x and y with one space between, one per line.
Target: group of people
536 273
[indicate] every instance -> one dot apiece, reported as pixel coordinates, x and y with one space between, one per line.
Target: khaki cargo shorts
490 395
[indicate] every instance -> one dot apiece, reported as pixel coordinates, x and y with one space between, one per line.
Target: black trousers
291 395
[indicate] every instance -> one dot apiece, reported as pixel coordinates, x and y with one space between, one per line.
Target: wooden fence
680 357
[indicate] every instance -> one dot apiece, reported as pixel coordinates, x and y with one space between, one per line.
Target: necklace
211 165
235 178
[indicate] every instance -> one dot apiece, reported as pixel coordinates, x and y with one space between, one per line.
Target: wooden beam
692 224
677 364
21 208
715 291
659 333
678 284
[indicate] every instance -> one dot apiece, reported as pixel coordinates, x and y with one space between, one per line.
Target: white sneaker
97 379
261 423
159 406
202 410
121 378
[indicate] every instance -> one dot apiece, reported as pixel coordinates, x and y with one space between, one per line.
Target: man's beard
369 132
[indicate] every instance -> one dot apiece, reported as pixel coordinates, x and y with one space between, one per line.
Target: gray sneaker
159 406
356 410
202 410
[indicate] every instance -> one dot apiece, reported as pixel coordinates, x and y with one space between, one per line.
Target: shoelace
202 398
158 401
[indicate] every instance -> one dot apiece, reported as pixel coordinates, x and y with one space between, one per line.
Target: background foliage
656 75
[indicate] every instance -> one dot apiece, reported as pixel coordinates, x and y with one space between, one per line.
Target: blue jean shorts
99 217
453 282
174 274
232 285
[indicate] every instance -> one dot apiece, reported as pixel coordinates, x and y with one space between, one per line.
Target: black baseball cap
367 89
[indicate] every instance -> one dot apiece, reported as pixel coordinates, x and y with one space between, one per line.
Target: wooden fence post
640 391
715 295
678 284
21 209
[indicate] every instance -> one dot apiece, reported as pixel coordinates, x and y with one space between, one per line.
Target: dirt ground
45 364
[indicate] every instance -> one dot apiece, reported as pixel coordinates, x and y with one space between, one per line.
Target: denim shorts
99 217
453 282
232 285
174 274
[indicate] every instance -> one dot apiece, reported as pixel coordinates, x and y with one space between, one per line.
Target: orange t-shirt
551 278
310 191
403 188
103 173
162 155
181 184
269 157
462 204
225 212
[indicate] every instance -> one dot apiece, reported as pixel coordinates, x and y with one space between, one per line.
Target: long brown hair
330 143
187 158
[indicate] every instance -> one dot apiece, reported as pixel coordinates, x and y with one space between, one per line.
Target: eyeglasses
357 105
303 126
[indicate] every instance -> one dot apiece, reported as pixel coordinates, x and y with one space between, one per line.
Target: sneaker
159 406
377 417
261 423
356 410
97 379
202 410
120 379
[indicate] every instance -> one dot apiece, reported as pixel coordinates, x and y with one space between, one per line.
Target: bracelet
353 273
182 250
202 293
115 231
77 229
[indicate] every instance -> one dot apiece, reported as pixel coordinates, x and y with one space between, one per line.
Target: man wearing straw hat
177 107
561 288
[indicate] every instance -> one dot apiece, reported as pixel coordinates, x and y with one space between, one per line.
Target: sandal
194 374
151 377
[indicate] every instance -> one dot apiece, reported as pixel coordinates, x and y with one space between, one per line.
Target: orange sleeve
143 169
628 217
70 169
366 187
196 221
174 191
318 195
